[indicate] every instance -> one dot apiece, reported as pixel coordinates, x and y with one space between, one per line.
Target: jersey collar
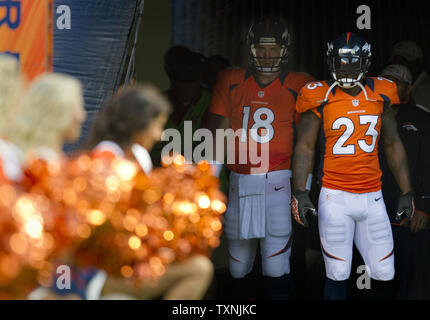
370 83
282 76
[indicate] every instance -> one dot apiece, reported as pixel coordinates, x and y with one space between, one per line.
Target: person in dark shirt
411 241
409 54
211 67
188 98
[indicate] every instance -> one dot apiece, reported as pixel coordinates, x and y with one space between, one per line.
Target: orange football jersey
350 131
265 116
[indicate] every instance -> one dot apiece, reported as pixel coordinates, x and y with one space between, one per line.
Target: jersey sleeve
389 92
311 97
221 101
300 80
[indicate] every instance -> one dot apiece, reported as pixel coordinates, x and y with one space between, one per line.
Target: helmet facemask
258 62
348 70
348 58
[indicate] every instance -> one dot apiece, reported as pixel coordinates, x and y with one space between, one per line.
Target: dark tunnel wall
219 27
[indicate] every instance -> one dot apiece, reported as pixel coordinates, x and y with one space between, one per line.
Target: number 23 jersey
350 131
266 116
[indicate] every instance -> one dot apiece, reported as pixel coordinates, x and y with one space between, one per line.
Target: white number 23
340 148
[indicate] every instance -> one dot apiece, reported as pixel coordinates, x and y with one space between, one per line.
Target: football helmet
267 32
348 58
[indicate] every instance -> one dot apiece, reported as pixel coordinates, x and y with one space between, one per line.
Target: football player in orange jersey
350 111
259 103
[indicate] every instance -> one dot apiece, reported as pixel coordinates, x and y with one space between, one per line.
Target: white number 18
258 123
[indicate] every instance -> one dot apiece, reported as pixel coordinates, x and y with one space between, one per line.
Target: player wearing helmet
349 111
268 42
348 58
259 103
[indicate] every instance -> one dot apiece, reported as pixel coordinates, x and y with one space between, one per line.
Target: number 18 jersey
266 116
350 131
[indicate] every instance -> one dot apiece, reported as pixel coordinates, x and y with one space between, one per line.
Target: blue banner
92 49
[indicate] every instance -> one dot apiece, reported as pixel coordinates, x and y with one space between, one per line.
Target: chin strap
336 83
365 92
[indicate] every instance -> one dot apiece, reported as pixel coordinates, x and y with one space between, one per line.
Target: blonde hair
10 91
46 112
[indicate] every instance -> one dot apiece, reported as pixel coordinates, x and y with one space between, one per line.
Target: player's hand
419 221
406 208
301 204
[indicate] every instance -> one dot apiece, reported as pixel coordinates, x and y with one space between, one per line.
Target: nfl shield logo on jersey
260 94
355 102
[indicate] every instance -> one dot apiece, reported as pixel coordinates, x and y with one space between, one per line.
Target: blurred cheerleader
128 126
50 114
10 89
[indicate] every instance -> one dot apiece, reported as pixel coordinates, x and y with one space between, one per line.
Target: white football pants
345 218
264 212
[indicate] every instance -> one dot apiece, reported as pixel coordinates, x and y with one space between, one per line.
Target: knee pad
241 257
240 269
338 271
276 266
383 272
276 252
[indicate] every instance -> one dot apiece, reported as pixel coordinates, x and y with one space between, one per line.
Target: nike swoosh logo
277 189
377 199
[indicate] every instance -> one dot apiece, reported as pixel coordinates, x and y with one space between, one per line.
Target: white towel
252 206
252 184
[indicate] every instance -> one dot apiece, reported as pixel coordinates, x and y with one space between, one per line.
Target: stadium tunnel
114 41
